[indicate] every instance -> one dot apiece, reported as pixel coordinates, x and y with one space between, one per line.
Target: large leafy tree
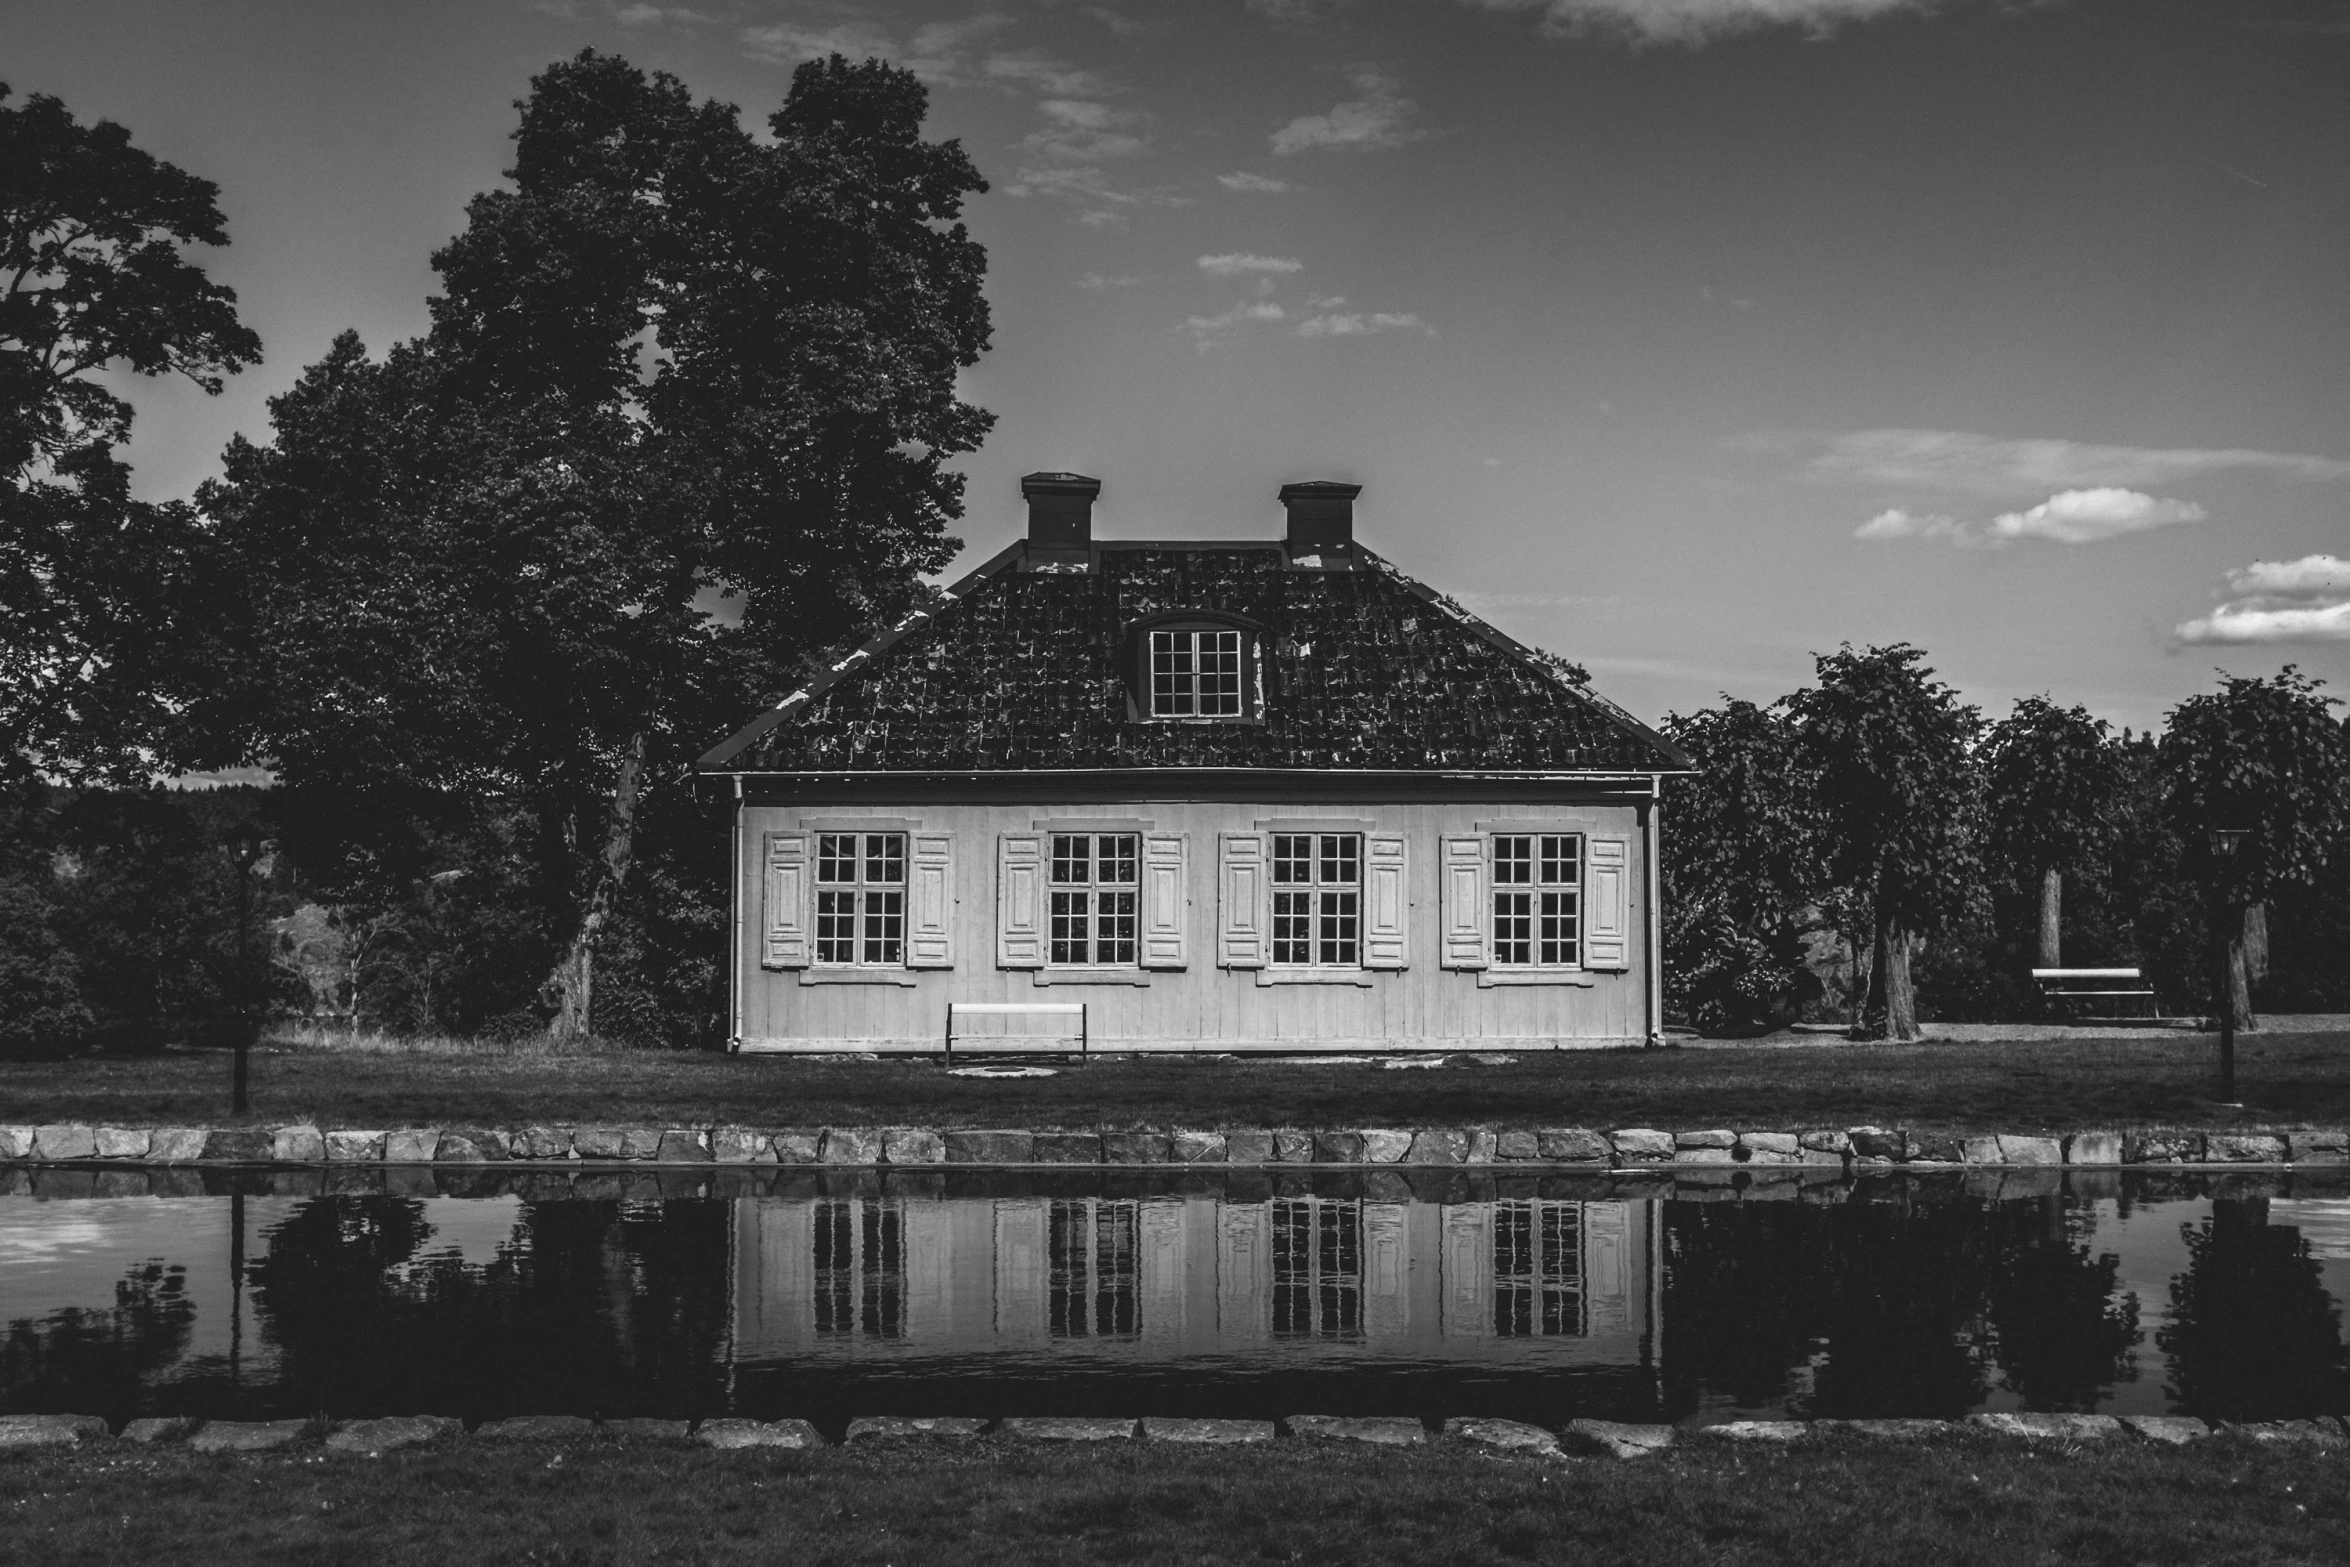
681 420
2050 779
2267 758
94 279
1740 859
1890 750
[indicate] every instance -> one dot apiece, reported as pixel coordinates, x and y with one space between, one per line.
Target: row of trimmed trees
1876 814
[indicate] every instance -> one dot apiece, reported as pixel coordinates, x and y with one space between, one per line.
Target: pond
1244 1295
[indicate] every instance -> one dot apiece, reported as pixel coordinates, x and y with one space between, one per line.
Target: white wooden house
1230 795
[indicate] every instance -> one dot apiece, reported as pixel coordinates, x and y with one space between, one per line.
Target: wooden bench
2061 985
963 1009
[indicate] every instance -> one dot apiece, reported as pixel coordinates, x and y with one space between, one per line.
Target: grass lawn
2284 1079
1965 1501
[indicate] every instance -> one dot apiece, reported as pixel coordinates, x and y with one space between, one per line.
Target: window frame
1140 690
1092 888
860 889
1315 889
1536 860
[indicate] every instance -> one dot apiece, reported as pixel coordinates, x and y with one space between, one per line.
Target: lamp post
2225 844
245 845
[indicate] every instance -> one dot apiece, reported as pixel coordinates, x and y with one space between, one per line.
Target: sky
1685 338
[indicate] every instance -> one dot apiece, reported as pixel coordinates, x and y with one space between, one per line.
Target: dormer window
1195 673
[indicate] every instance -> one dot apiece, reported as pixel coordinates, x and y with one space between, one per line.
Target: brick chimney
1321 516
1060 517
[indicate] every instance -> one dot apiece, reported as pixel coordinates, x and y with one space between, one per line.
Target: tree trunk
2256 942
2052 918
1868 1012
2240 970
573 982
1901 996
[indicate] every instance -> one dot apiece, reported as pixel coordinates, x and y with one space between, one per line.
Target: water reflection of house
1177 1276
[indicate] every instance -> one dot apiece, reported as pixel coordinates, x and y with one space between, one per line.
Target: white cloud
1987 465
1037 71
1695 21
1357 324
2086 516
1898 524
1379 118
1083 131
1242 180
1238 262
788 43
2305 600
641 15
1207 330
1095 280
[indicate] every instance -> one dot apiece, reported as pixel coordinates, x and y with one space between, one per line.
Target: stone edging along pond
1630 1148
1597 1438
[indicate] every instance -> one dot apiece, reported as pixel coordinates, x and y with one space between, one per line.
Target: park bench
2063 987
1031 1043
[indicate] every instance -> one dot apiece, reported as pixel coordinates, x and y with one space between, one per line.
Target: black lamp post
245 845
2225 843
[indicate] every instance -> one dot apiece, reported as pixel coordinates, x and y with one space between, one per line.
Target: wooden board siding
1202 1006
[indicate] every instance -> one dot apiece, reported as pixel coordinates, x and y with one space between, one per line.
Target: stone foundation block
1508 1436
1640 1145
1980 1150
1068 1148
540 1142
1137 1148
757 1433
644 1430
1721 1156
1837 1143
18 1432
123 1142
1338 1148
851 1145
1936 1148
1616 1439
469 1145
1770 1148
2243 1148
537 1428
2030 1150
1438 1145
1253 1145
1773 1431
2163 1147
2169 1430
913 1145
2093 1148
1206 1433
616 1142
1715 1138
160 1428
1292 1147
345 1147
741 1145
2290 1433
248 1436
391 1434
966 1147
1201 1147
245 1145
411 1147
297 1145
2319 1147
1379 1430
1067 1428
1825 1158
65 1142
1572 1145
680 1145
935 1428
1516 1147
16 1142
1875 1145
1483 1140
798 1147
2049 1428
1891 1430
177 1144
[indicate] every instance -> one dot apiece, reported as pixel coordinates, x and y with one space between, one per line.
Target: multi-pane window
1537 899
1538 1270
1318 899
1195 674
1317 1268
861 897
1095 878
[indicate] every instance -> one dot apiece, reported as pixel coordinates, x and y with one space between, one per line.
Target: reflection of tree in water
1899 1309
99 1361
2253 1334
596 1307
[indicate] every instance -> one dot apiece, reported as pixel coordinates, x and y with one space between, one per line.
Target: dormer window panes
1195 673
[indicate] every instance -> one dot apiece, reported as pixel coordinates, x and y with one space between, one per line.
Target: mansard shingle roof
1027 670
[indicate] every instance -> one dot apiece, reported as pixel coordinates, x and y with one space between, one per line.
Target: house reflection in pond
1170 1277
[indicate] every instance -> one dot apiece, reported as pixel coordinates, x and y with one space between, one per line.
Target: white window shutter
930 902
1166 900
1607 887
783 915
1386 901
1242 901
1019 901
1468 918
